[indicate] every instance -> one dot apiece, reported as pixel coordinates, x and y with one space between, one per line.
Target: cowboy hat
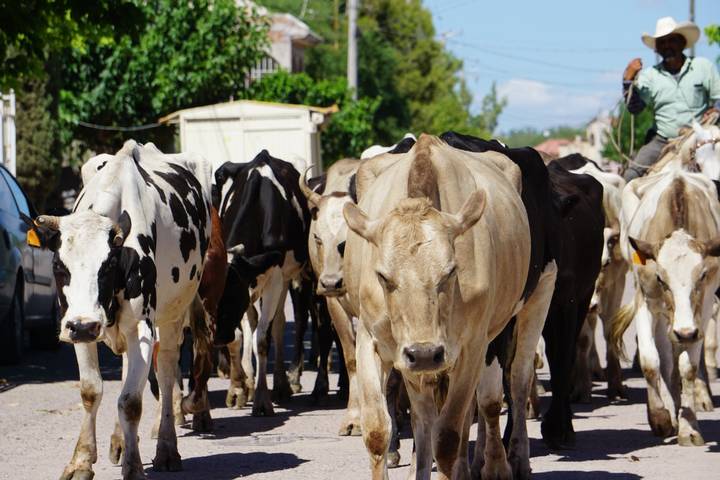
668 25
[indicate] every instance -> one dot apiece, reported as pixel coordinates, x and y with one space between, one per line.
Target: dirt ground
40 413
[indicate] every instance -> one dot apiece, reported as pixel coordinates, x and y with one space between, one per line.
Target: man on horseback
681 89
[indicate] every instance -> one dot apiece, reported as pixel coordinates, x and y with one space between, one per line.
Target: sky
558 62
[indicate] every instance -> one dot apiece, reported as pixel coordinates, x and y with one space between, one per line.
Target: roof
551 145
291 26
173 117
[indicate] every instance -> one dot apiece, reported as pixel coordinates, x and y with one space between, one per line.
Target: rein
702 143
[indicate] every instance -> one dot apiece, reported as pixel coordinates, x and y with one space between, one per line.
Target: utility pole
352 76
692 19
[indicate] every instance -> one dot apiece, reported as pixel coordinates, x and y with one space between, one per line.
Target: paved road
40 412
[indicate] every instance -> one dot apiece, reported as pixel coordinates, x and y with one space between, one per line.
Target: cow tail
619 323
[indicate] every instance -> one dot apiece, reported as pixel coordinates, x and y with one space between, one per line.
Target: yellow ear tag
32 239
637 259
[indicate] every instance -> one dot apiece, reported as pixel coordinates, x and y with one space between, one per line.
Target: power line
113 128
544 49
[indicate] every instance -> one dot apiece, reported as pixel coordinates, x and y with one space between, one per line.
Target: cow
609 286
403 145
436 264
128 262
326 246
670 234
265 221
566 220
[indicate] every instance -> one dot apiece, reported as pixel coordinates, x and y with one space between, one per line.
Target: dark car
27 286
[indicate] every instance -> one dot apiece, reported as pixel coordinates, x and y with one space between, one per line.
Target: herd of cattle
440 263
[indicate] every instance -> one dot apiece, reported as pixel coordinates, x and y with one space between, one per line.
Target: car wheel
46 338
12 338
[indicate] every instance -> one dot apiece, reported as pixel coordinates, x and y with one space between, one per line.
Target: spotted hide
265 220
128 260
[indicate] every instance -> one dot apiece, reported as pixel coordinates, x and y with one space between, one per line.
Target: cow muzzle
331 286
686 335
79 330
424 357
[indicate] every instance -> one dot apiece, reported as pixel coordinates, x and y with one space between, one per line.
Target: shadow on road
226 466
573 475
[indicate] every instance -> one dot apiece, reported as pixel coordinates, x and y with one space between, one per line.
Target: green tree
713 34
31 31
628 134
37 147
188 54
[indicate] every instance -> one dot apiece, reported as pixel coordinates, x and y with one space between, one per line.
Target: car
28 300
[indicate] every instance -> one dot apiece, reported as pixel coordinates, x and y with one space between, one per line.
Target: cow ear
469 213
712 247
645 250
43 233
360 223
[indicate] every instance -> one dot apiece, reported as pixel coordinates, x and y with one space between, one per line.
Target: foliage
530 136
350 130
33 30
712 32
37 156
188 54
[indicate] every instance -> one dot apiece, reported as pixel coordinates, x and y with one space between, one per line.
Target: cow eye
387 284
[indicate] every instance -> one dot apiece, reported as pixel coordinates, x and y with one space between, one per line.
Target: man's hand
708 113
632 69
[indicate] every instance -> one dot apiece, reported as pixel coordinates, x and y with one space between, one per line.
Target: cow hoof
236 398
167 458
202 422
117 444
660 422
281 391
135 475
581 395
599 375
693 439
350 428
520 468
295 387
262 406
499 471
617 392
393 459
294 379
79 474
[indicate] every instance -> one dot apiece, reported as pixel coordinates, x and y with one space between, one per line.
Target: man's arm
633 100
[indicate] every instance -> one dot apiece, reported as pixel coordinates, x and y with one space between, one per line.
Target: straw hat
668 25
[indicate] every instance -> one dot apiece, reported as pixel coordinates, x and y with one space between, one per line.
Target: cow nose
424 356
331 283
82 332
686 334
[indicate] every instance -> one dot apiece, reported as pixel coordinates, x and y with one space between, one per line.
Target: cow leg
91 390
611 301
422 417
281 391
139 353
582 374
490 460
688 429
300 301
711 344
322 325
392 392
117 442
661 417
528 329
248 325
167 457
372 376
236 395
342 322
197 400
177 400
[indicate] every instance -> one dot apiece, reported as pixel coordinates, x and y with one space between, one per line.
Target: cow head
242 274
90 266
706 147
328 233
611 247
417 270
685 278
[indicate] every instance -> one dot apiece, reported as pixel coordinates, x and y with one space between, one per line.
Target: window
6 199
17 193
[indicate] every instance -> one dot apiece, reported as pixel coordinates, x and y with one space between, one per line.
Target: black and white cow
128 262
265 222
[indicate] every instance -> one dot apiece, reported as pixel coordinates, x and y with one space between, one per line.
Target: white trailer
7 131
237 131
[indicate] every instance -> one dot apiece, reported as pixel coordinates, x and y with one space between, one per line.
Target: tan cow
671 234
435 267
326 244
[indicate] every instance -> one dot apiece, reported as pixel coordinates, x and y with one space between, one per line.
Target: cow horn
119 237
312 197
238 249
48 221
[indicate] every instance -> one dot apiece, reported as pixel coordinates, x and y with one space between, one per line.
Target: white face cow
416 268
685 278
90 266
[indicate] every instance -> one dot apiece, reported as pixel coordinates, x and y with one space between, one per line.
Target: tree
530 137
33 30
713 34
626 129
187 54
37 148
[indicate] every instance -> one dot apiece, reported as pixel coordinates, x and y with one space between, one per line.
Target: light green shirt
678 102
